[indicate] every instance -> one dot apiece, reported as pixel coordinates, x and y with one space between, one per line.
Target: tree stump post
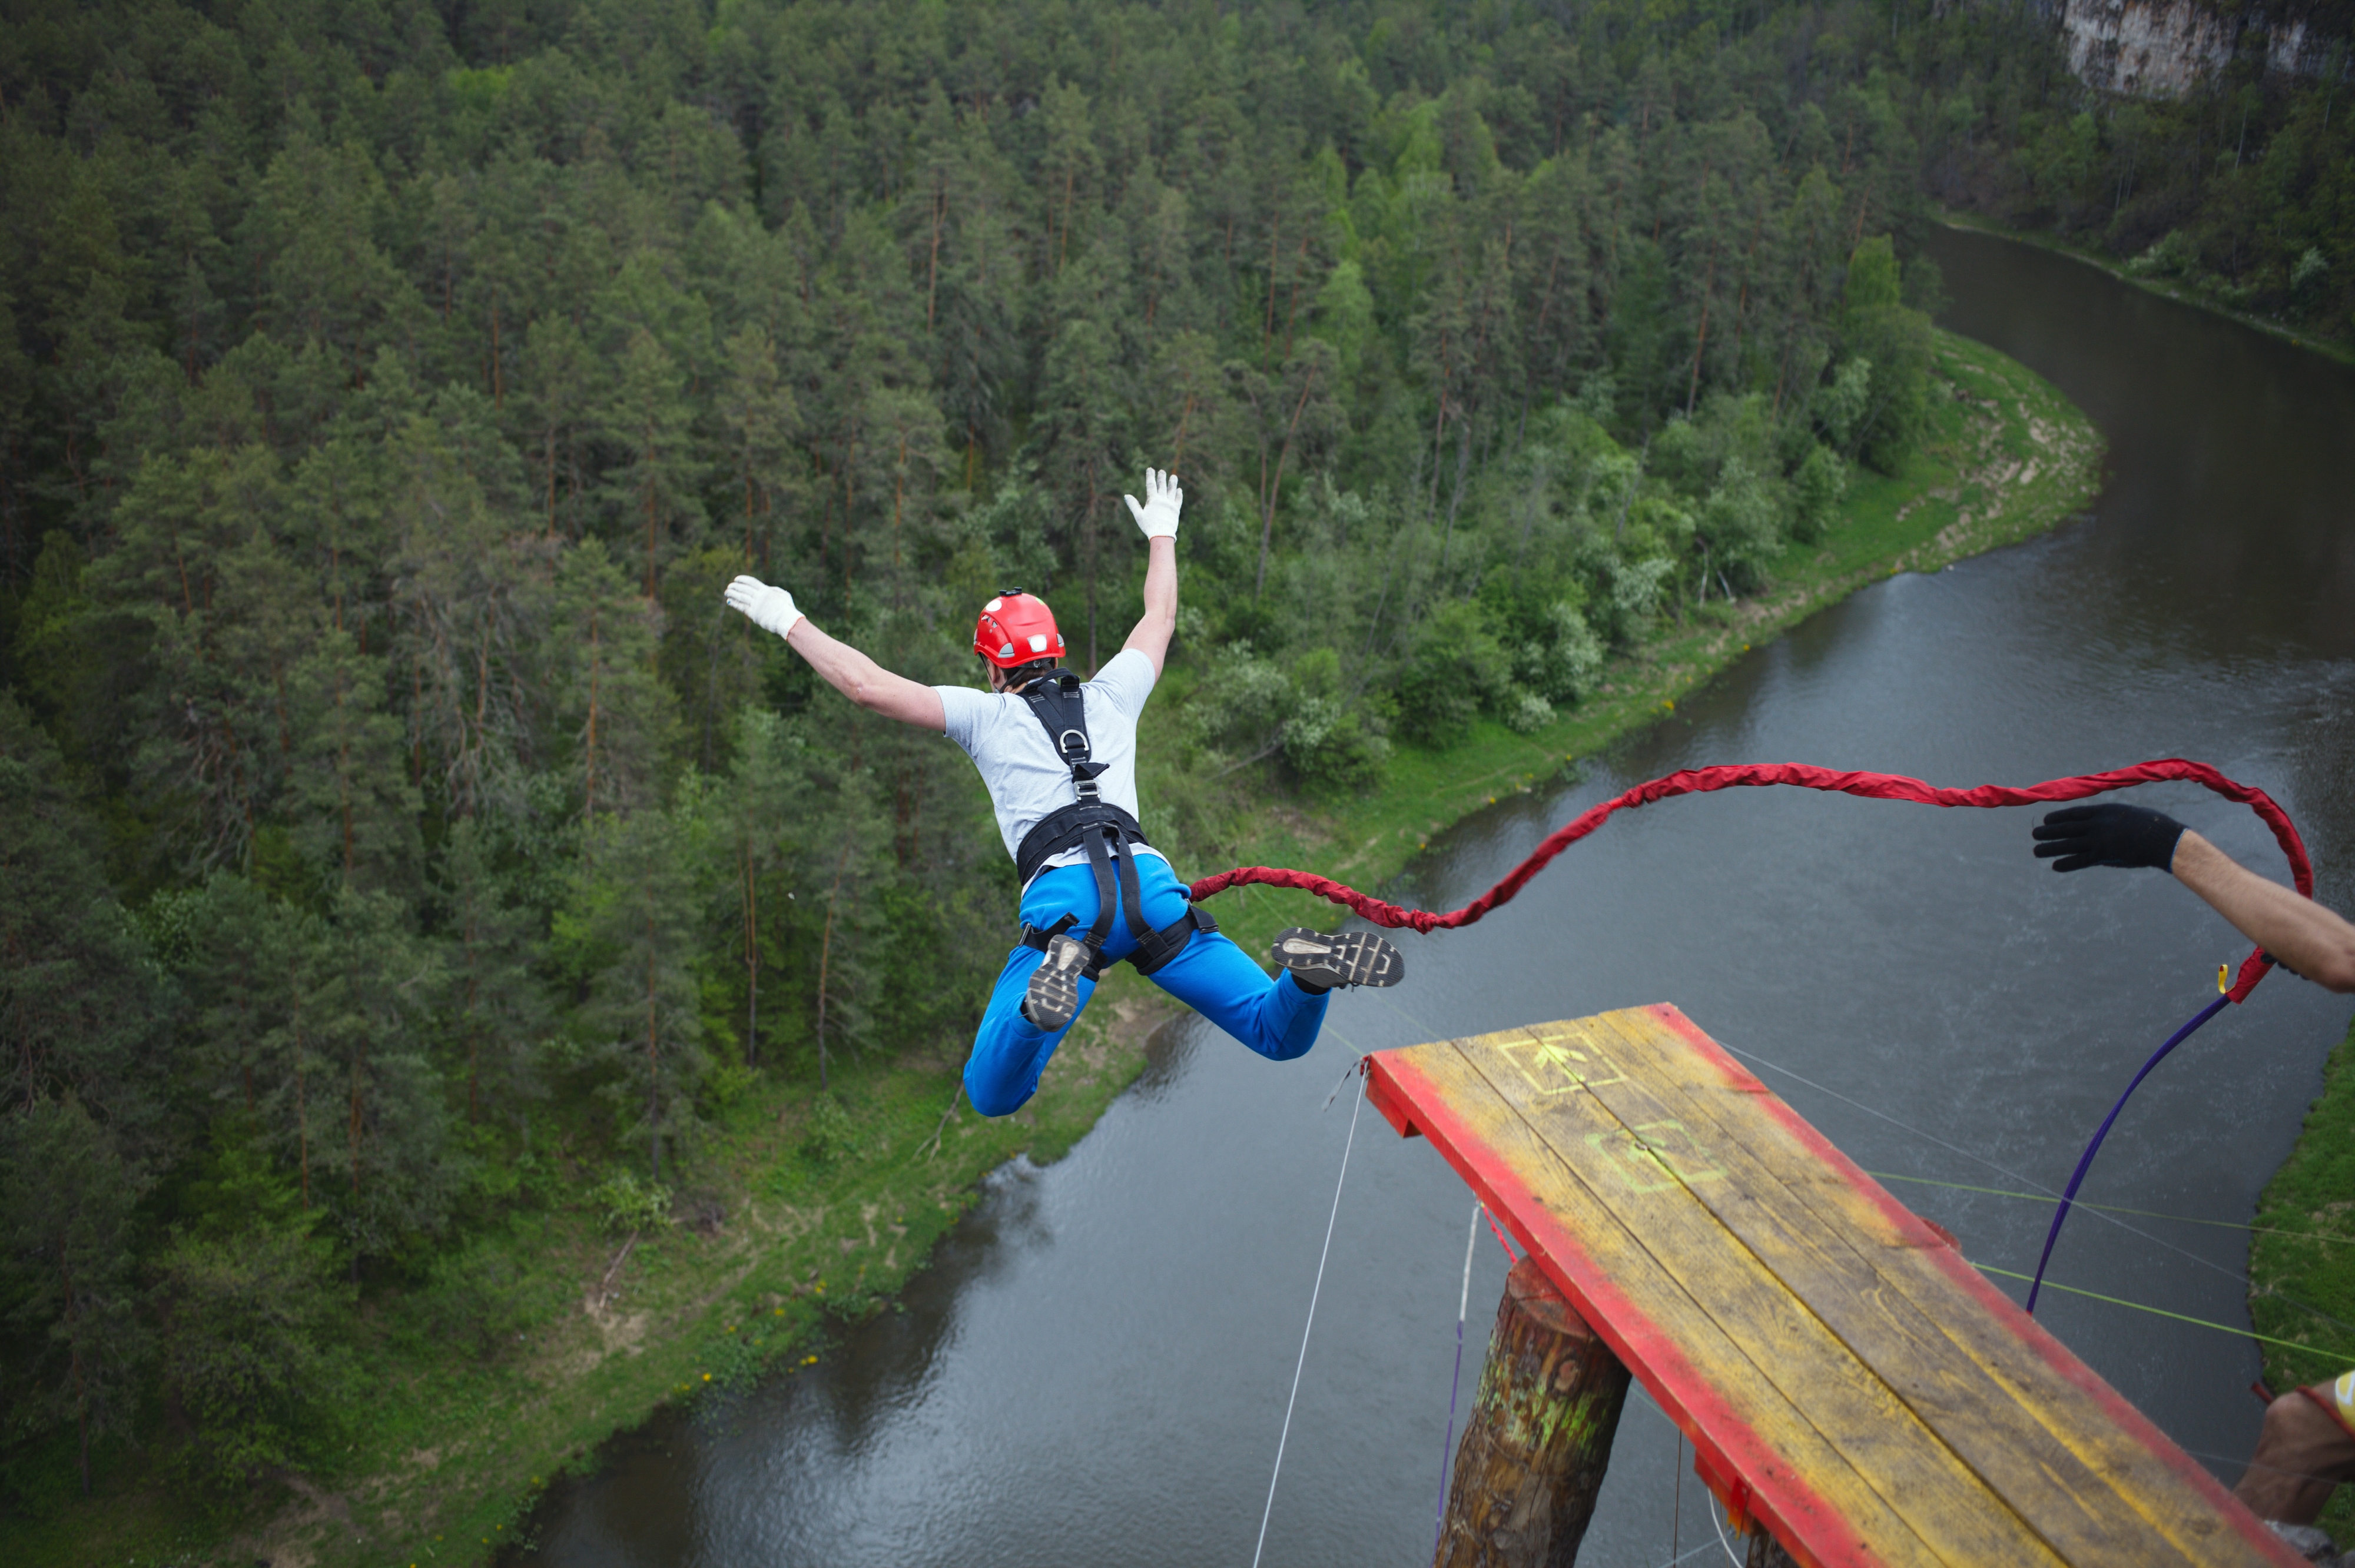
1538 1438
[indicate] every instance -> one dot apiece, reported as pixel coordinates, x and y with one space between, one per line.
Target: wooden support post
1538 1438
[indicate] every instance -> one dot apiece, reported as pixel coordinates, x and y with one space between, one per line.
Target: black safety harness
1103 829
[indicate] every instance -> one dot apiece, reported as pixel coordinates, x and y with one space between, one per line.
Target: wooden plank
1780 1376
1558 1228
1878 1399
2117 1441
1987 1397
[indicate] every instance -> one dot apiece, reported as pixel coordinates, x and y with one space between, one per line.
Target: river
1096 1369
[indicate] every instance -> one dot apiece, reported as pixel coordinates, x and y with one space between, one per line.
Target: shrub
1635 587
2171 257
1326 746
830 1136
629 1205
250 1358
477 1298
1457 669
1816 491
1563 665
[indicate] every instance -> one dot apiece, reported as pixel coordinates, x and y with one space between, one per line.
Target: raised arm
1158 518
840 665
2309 939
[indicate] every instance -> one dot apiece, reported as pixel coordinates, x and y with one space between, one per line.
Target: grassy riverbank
2166 288
798 1221
2302 1257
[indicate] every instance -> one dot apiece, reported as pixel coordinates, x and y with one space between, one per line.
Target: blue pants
1212 976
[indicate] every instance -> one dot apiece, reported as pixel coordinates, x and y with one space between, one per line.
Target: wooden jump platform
1844 1376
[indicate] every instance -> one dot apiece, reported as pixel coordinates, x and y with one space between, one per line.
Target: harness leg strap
1099 862
1037 938
1158 947
1132 892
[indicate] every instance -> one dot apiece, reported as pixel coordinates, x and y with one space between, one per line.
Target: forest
388 389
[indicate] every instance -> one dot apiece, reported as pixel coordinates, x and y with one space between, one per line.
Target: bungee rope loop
1871 786
1754 775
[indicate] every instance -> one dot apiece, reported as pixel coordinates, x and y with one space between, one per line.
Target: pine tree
66 1203
357 822
471 594
630 933
764 805
614 713
81 1006
497 1008
366 1019
653 490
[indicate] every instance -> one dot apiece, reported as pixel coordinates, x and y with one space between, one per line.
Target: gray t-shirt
1018 765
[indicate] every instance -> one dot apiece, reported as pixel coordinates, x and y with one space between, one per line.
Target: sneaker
1054 998
1322 961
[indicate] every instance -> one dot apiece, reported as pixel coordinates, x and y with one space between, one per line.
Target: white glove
1159 515
770 609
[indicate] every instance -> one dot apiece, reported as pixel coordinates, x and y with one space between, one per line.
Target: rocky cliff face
2160 47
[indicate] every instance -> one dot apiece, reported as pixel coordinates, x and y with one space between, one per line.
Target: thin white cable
1269 1511
1447 1444
1471 1238
1729 1557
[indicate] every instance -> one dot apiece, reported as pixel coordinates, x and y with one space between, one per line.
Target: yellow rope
2111 1208
2161 1311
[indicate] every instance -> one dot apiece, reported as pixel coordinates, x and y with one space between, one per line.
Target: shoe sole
1339 958
1052 999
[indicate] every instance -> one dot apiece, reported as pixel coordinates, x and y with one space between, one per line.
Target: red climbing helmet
1016 629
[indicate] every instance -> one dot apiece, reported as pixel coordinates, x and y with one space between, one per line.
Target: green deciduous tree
1877 327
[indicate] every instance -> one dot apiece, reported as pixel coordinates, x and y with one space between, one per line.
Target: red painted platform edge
1950 1261
1814 1532
1386 1101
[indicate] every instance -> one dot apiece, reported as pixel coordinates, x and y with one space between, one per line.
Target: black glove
2107 835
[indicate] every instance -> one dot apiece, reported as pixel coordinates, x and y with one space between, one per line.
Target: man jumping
1059 759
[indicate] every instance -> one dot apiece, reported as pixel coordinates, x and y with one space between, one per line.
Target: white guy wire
1447 1444
1355 1102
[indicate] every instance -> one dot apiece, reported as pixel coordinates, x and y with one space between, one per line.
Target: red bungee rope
1873 786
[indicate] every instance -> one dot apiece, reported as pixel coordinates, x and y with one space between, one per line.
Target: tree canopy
388 389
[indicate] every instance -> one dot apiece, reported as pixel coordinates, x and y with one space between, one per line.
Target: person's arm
840 665
1158 518
1152 633
2302 935
2310 940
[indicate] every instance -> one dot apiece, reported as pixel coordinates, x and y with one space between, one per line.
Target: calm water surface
1096 1370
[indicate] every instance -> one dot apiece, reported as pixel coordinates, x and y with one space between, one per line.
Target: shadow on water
1096 1368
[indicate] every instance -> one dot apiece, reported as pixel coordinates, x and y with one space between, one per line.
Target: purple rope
2086 1162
